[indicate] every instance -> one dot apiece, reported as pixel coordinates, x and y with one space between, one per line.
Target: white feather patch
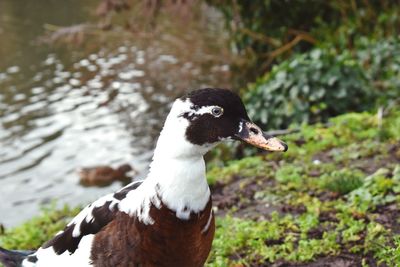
205 110
47 257
208 222
240 126
87 213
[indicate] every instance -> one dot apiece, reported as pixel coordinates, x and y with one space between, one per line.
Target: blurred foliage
309 87
381 61
314 86
312 60
269 31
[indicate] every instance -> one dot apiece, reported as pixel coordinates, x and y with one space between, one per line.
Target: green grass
353 226
33 233
282 237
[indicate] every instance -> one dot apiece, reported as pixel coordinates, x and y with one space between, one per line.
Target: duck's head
203 118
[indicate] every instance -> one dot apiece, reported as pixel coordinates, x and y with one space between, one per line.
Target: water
67 106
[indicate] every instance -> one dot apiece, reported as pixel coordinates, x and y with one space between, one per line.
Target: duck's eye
217 111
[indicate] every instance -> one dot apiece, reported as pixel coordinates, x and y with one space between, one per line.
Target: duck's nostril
254 130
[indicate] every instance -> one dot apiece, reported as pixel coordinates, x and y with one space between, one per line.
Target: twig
274 54
290 45
261 37
306 36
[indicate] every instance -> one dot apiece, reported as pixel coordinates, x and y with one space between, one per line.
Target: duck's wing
89 221
78 233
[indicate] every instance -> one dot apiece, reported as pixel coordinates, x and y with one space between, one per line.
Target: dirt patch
342 260
326 216
239 194
389 217
368 165
372 164
247 197
323 157
296 210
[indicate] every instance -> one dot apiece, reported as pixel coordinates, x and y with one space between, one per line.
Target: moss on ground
333 198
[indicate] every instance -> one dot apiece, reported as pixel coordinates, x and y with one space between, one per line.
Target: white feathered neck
178 166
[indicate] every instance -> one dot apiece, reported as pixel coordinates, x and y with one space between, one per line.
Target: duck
104 175
166 219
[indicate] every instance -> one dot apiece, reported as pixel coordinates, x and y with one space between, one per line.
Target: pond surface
67 106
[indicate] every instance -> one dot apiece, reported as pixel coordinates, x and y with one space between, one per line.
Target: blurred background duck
103 175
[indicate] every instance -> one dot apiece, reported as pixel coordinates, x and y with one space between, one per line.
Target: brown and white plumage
166 219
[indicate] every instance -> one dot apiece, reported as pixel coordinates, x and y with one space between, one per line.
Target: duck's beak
252 134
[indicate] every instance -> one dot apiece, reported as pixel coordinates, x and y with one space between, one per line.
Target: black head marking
207 128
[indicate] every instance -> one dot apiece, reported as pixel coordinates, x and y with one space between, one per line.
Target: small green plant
342 181
389 254
375 191
289 174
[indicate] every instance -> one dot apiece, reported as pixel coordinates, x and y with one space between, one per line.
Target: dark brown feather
170 241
